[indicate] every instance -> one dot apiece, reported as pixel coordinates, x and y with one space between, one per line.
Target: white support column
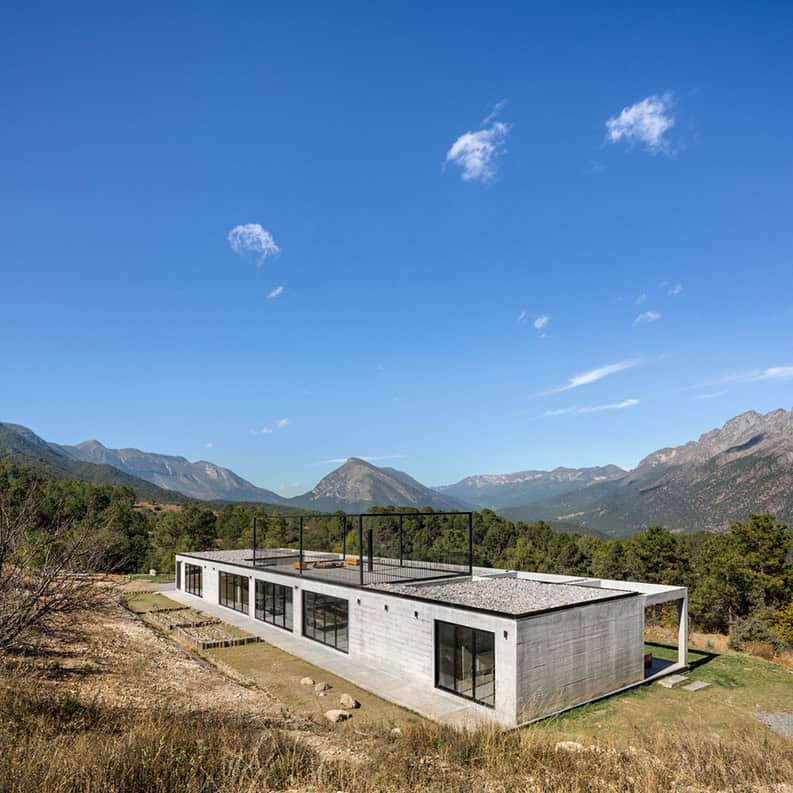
682 631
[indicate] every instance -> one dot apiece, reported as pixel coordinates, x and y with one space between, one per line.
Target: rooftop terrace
503 594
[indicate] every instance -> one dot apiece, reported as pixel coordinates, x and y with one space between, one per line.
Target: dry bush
764 650
47 578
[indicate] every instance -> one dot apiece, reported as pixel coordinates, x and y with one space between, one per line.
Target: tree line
740 581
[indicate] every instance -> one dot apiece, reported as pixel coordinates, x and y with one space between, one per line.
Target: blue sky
423 184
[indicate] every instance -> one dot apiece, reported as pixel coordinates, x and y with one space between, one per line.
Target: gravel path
780 723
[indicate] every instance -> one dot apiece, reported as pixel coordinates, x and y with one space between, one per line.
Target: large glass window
325 619
465 662
234 591
274 604
192 579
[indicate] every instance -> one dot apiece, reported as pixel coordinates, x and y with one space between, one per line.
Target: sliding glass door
465 662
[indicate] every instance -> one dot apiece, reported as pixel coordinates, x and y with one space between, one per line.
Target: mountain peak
91 445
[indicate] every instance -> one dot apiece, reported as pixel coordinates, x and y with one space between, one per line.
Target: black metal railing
366 548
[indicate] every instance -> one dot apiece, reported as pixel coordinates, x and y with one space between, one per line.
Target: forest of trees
740 581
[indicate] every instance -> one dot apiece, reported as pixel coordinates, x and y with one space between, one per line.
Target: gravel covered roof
505 595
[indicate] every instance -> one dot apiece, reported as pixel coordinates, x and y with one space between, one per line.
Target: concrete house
451 641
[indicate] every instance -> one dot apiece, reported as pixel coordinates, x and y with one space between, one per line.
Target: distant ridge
201 479
22 446
744 466
357 485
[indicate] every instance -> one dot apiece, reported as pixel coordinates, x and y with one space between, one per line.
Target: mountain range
745 466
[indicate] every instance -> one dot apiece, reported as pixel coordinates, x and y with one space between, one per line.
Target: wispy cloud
210 445
372 458
279 424
711 395
674 290
522 317
593 375
646 122
252 238
476 152
279 290
495 112
541 322
640 299
755 376
646 316
574 411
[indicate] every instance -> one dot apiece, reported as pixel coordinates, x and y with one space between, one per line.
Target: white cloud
711 395
252 238
210 445
646 316
593 375
523 316
542 321
626 403
755 376
281 423
476 152
674 290
495 112
279 290
641 298
644 122
262 431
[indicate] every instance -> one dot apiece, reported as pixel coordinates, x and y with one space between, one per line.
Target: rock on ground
336 715
346 701
322 687
306 681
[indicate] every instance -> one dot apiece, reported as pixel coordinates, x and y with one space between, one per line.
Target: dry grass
59 744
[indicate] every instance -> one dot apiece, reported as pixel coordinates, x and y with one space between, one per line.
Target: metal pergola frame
361 516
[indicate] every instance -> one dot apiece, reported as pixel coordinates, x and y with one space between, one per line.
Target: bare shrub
47 572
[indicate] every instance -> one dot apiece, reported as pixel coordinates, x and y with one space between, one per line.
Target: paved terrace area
331 567
509 596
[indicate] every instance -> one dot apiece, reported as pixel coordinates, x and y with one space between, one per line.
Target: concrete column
682 631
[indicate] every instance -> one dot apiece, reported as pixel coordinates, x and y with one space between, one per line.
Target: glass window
193 579
274 604
465 662
233 591
326 620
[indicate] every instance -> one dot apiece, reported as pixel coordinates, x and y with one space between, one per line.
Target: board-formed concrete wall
573 655
395 639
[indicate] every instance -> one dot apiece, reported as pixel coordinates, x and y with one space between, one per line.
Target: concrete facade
545 662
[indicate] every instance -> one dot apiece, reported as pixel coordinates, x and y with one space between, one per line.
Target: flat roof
510 596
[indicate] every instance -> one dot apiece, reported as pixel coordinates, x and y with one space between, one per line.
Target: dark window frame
268 599
191 573
317 608
463 634
230 586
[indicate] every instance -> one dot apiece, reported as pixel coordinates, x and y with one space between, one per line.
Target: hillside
201 479
22 446
500 491
745 466
357 485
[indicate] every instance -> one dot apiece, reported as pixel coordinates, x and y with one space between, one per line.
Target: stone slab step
672 681
696 685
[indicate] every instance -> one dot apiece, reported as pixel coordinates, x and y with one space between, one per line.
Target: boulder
306 681
396 732
336 715
322 686
346 701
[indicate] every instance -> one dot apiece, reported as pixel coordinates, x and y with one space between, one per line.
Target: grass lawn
160 578
279 674
140 602
740 684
